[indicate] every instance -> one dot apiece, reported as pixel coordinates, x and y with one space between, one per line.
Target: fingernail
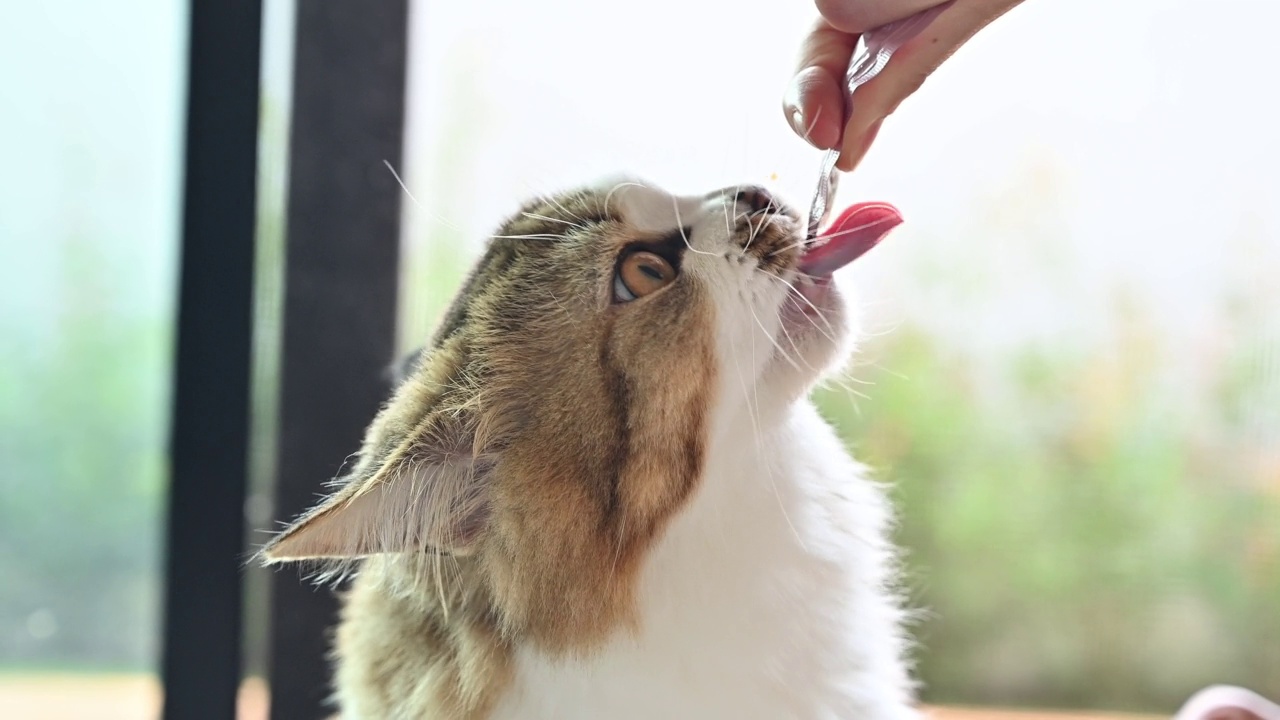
798 124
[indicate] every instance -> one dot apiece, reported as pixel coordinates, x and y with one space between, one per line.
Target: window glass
90 186
1071 369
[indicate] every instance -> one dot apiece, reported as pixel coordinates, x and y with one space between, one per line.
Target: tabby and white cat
602 493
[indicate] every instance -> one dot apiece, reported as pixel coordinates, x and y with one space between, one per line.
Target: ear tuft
432 503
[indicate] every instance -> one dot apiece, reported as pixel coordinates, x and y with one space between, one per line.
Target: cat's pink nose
755 197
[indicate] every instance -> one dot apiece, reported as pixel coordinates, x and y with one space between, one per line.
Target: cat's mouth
854 232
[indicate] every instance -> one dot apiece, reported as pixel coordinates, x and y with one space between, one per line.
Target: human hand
815 102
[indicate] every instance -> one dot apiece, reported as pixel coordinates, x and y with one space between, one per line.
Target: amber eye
640 274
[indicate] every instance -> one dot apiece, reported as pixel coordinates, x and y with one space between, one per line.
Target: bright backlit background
1073 368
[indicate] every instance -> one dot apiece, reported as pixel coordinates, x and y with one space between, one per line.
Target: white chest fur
766 598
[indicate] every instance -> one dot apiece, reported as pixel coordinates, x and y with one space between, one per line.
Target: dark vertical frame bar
210 434
341 272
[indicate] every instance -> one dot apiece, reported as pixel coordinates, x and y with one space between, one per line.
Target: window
1071 369
91 137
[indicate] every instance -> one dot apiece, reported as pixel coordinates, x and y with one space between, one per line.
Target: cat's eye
641 273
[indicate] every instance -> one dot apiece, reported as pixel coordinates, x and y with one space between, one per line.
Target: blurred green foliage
83 412
1073 542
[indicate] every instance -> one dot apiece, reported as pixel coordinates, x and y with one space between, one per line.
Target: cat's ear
423 499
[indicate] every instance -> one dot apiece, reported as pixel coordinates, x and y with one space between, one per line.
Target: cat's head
565 407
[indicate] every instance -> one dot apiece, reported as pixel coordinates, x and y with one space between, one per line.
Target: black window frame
337 331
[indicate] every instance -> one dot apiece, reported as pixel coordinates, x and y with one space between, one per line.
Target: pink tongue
855 231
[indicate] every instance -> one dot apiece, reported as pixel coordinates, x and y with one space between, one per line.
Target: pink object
855 231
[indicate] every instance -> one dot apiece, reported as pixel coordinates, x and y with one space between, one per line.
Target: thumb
814 102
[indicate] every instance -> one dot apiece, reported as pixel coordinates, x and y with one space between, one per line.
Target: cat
601 491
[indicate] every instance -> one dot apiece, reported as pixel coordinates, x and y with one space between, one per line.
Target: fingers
815 100
859 16
909 68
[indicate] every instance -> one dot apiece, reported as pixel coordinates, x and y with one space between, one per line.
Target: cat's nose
756 198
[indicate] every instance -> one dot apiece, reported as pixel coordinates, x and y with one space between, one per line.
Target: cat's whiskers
829 332
560 206
437 217
757 228
792 246
572 226
794 346
890 329
403 187
753 229
772 340
738 220
725 206
535 236
808 130
884 369
828 236
837 378
609 195
769 213
675 205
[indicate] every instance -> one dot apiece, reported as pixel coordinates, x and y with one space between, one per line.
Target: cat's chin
809 302
813 333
